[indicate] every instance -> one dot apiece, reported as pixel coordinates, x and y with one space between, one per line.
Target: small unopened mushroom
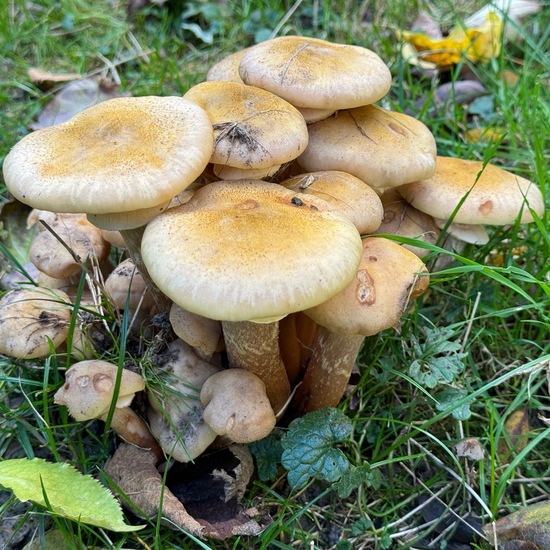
236 405
88 392
176 413
32 321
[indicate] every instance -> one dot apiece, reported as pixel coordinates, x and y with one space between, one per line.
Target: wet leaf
309 447
65 491
529 524
267 453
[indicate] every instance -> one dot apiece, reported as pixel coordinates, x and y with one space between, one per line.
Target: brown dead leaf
201 497
133 470
44 80
76 97
530 524
517 430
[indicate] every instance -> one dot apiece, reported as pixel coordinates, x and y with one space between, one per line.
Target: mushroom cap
31 318
386 280
175 411
89 387
120 155
125 284
253 128
314 73
227 69
383 148
403 219
496 197
230 173
236 405
352 196
85 240
250 250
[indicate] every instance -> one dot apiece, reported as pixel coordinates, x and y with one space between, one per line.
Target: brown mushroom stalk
328 370
255 347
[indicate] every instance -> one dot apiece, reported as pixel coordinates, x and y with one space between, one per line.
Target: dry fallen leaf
44 80
471 448
517 429
485 134
530 524
202 498
76 97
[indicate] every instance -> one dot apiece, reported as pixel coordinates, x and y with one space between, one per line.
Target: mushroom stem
328 370
130 427
255 347
132 238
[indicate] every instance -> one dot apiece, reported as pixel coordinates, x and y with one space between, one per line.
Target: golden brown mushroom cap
495 196
120 155
383 148
249 250
314 73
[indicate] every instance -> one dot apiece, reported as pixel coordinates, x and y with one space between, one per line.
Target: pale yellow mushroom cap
314 73
89 388
383 148
249 250
496 197
253 128
120 155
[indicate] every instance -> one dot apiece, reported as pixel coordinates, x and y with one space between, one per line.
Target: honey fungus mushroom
236 405
387 279
248 253
89 390
32 320
120 162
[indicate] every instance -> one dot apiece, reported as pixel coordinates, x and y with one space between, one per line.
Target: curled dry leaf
202 498
133 470
470 447
76 97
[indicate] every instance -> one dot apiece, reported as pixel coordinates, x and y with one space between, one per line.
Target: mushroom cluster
249 209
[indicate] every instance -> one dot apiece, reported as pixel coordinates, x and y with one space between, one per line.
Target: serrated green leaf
308 447
361 526
69 493
355 476
448 397
267 453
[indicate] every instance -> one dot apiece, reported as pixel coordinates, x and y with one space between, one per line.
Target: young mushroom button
248 253
88 392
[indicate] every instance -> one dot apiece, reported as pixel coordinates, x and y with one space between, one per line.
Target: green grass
495 298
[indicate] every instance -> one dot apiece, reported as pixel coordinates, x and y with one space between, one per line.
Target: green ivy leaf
308 447
448 397
69 493
355 476
267 453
